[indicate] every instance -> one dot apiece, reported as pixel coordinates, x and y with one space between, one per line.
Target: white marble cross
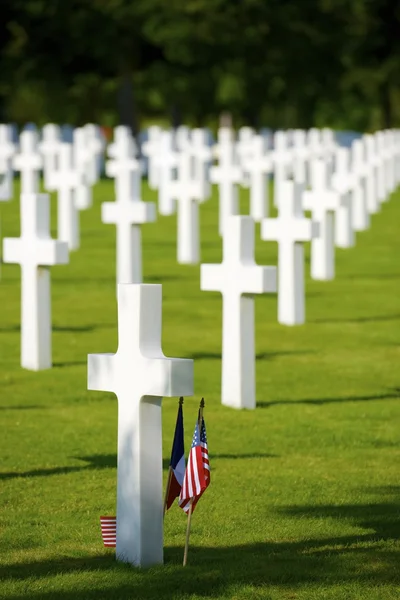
380 166
370 178
95 144
84 164
7 151
201 157
361 218
238 277
35 251
165 163
128 212
281 158
187 191
29 162
341 182
66 180
300 153
389 162
291 229
49 148
140 376
244 151
323 203
258 166
150 150
227 175
122 134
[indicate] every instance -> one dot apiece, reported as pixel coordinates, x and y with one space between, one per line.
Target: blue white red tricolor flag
197 474
177 463
109 531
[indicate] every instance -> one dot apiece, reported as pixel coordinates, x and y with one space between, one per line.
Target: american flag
109 531
197 474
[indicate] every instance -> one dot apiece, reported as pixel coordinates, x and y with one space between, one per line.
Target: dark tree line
279 63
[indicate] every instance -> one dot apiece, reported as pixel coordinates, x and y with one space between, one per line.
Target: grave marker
66 180
322 202
291 229
127 213
341 183
238 277
28 162
140 376
35 251
227 175
258 167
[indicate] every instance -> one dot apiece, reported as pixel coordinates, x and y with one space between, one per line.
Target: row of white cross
139 373
341 190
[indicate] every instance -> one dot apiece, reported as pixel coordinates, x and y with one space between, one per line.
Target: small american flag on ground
197 474
109 531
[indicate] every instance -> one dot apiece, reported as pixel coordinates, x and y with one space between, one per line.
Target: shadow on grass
24 407
217 571
373 319
381 517
109 461
62 328
259 355
372 276
390 395
72 363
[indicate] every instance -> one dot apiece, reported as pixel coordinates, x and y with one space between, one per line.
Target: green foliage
304 496
281 63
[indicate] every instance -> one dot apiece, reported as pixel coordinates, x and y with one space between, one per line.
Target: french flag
177 464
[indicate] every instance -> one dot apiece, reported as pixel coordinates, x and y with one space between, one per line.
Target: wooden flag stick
170 472
185 554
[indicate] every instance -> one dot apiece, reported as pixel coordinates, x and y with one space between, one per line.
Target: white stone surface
300 155
7 151
84 163
323 203
244 150
291 229
49 148
28 162
370 179
282 159
238 277
95 144
258 167
35 251
140 376
341 183
151 149
380 167
361 220
165 163
186 190
227 175
201 157
66 180
127 213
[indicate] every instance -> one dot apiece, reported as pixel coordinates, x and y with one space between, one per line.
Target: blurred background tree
274 63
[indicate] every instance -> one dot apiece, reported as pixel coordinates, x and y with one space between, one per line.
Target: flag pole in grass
197 474
176 469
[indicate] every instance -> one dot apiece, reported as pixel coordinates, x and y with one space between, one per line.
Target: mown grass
305 493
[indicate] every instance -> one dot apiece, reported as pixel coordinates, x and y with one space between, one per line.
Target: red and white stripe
197 477
109 531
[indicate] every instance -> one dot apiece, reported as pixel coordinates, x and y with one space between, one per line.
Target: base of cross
109 531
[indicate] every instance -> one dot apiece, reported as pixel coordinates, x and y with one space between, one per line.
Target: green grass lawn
305 494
